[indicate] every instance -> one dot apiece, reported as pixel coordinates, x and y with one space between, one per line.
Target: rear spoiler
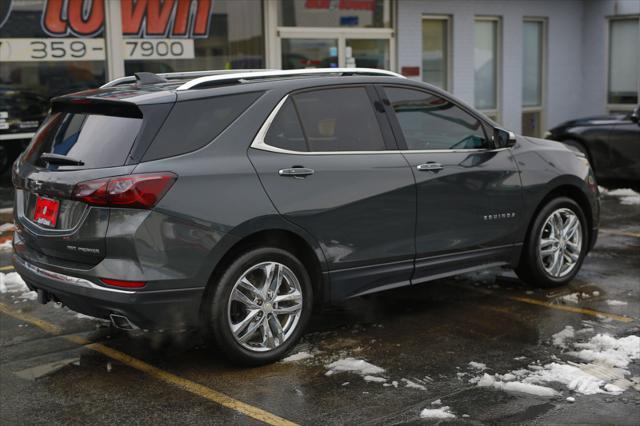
92 105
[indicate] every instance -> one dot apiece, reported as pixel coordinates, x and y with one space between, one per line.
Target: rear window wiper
61 160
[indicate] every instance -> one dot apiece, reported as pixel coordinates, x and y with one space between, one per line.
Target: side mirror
503 138
635 114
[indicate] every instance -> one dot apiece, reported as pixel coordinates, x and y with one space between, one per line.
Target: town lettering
142 18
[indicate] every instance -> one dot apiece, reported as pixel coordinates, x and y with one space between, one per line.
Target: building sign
140 18
153 29
90 49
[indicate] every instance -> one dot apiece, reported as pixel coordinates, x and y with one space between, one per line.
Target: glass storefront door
368 53
300 48
309 53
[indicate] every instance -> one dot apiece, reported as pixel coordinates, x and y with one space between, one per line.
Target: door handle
430 167
297 172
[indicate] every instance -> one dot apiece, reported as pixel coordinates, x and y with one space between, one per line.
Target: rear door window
96 140
285 131
340 119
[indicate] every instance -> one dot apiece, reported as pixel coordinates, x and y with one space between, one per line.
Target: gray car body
364 222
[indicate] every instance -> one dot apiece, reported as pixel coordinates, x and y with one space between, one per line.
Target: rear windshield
96 140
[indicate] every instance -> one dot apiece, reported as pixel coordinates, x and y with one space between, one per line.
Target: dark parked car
611 143
21 113
238 201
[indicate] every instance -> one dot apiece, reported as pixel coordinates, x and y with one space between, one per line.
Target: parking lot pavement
482 347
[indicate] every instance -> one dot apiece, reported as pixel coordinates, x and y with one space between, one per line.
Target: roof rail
177 75
244 75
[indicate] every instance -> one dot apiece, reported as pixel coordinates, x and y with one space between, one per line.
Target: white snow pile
627 196
576 297
616 303
7 227
6 246
437 413
298 357
559 339
478 365
605 372
353 365
608 350
14 284
413 385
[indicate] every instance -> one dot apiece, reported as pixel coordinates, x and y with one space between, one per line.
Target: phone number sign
90 49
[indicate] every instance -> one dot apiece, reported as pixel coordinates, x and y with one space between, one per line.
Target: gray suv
238 201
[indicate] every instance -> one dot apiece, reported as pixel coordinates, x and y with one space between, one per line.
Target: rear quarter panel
216 201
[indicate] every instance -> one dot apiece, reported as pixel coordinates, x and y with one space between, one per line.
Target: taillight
122 283
135 191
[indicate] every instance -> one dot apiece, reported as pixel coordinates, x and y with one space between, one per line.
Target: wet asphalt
425 334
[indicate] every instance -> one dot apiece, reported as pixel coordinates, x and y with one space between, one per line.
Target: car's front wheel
260 306
556 245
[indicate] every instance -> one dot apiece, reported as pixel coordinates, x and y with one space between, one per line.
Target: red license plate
46 212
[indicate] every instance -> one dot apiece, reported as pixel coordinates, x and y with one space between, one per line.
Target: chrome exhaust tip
122 322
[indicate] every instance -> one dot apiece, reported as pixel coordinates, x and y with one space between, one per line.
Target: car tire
552 255
238 303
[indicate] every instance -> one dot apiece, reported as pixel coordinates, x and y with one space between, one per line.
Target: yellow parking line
165 376
576 310
623 233
7 268
532 301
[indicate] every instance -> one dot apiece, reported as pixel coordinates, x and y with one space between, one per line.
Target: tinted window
285 131
430 122
193 124
339 120
96 140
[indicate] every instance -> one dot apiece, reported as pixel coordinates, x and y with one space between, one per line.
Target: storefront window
335 13
48 51
624 61
486 65
211 34
533 52
532 63
435 51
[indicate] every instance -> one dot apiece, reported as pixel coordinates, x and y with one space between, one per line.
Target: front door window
429 122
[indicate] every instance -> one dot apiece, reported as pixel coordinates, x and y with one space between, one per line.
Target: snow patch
437 413
480 366
298 357
559 339
627 196
374 379
569 298
7 227
605 371
13 283
353 365
413 385
616 303
608 350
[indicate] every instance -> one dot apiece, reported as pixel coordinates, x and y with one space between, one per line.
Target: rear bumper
148 309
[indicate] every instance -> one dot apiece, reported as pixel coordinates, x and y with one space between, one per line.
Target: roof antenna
143 78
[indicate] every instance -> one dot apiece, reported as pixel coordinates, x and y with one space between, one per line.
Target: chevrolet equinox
237 201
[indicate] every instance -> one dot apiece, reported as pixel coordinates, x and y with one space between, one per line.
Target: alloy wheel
264 306
560 243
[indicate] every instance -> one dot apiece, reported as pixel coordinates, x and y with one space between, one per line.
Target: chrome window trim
80 282
259 142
